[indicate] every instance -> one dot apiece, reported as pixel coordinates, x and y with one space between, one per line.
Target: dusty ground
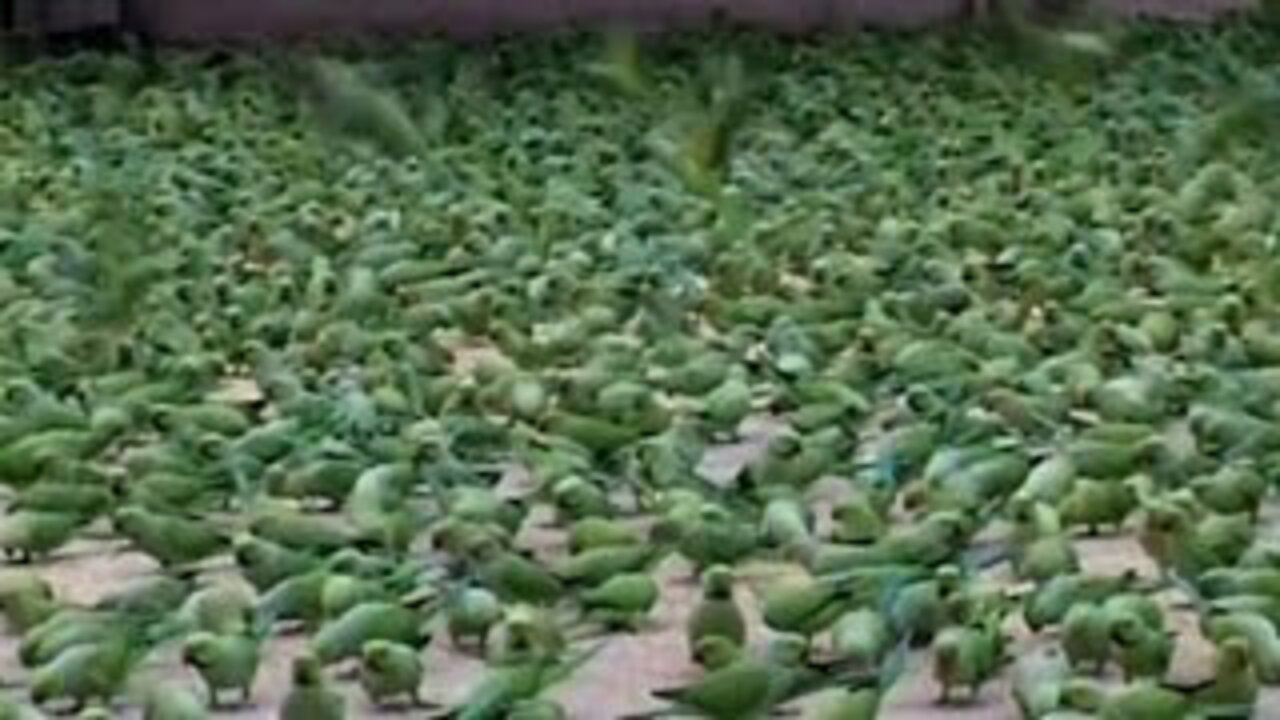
617 681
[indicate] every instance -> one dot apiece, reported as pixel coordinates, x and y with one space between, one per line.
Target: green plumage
84 672
164 701
171 539
32 534
389 670
622 600
224 662
1139 649
309 696
717 613
1086 636
517 578
347 634
593 567
967 657
470 613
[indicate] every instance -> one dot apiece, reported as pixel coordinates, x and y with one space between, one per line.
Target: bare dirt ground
617 681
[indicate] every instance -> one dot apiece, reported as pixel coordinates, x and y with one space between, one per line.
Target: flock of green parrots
356 327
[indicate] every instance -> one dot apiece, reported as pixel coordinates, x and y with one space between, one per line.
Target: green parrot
1086 636
1260 633
64 629
379 510
304 533
85 672
805 606
341 592
966 656
1097 503
1129 398
526 631
354 561
716 536
1048 481
796 462
483 505
1181 543
505 686
622 600
1223 581
70 497
270 440
700 374
1148 701
593 567
327 479
602 437
575 498
24 458
220 608
729 403
1050 603
861 704
1111 457
209 417
166 701
309 696
918 609
1265 606
861 695
526 398
388 669
265 563
738 690
344 636
514 577
27 535
717 613
977 481
786 521
1038 680
224 662
1139 650
857 520
463 541
296 598
589 533
172 492
150 596
750 686
862 636
26 600
1047 557
930 541
1236 488
1233 690
172 540
1136 605
469 615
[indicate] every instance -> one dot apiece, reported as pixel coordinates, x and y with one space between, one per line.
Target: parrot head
307 670
717 581
197 649
375 653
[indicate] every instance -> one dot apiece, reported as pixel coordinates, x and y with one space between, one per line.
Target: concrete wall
249 19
